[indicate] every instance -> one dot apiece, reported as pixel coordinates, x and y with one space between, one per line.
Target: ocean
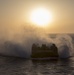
21 66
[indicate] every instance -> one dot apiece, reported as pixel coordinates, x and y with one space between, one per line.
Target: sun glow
41 17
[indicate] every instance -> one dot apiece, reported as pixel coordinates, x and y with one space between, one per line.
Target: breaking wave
19 43
63 42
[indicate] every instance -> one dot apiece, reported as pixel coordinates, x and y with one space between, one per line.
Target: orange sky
14 12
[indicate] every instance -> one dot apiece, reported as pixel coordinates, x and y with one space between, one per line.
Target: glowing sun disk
41 17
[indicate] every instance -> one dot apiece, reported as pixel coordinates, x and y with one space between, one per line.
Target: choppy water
21 66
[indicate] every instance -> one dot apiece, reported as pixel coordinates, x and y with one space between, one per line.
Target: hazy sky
14 12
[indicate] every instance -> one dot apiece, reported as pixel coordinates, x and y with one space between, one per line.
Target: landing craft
44 51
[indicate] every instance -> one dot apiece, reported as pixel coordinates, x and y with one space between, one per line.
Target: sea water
21 66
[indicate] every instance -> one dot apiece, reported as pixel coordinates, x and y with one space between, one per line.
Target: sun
41 17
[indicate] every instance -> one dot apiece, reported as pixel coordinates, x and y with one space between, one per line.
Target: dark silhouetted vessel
44 51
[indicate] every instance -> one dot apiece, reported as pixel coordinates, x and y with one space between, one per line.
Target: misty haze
36 37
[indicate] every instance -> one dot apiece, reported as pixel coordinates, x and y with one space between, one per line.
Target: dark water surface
20 66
